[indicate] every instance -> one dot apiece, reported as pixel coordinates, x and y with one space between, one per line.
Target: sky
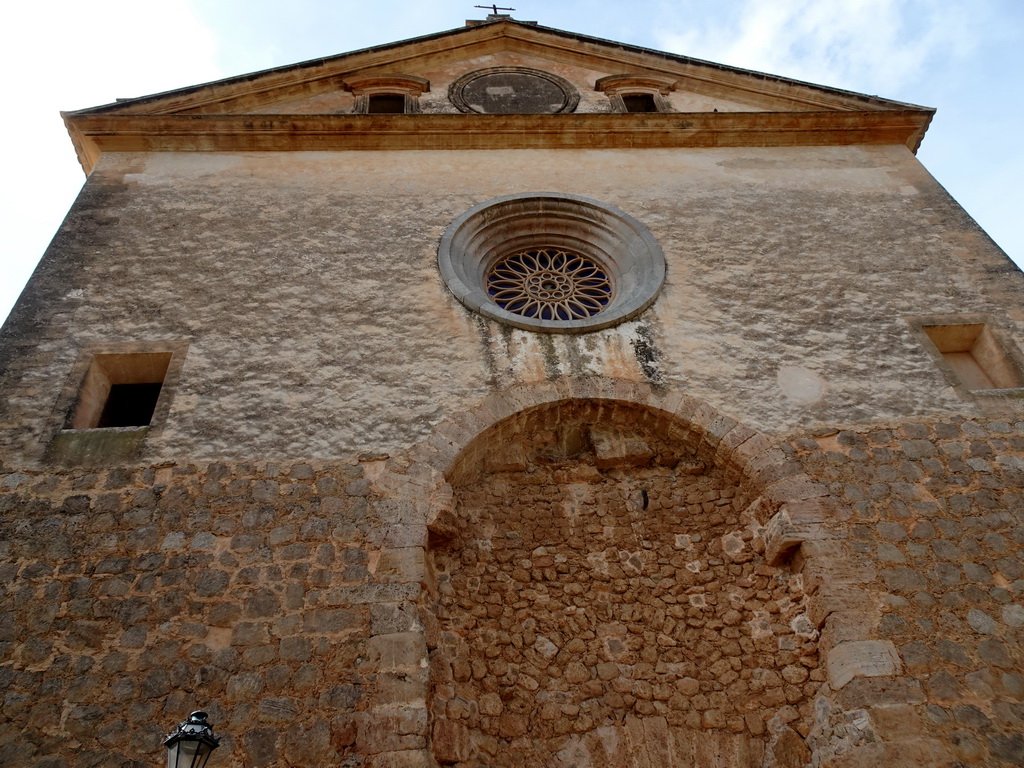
965 57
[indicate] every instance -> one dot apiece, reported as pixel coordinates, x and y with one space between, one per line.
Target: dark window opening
386 104
120 390
130 405
640 102
976 357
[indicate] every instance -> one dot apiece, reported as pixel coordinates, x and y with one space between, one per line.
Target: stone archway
607 584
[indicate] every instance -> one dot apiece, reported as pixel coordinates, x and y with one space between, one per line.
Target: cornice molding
94 134
398 83
613 84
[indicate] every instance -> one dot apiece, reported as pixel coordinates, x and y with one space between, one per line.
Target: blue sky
965 57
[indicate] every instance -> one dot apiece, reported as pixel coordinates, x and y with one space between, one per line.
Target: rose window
551 262
549 284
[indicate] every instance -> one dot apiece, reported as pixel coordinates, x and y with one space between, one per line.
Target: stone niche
603 600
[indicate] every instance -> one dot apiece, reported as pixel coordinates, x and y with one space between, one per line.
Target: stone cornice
386 83
620 83
94 134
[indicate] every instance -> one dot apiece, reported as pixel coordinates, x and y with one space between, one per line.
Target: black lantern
192 744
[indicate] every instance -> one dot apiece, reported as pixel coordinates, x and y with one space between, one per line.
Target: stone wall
934 513
306 287
132 595
289 600
593 574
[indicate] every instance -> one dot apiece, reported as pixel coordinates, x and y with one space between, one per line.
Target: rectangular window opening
639 102
386 104
120 391
977 358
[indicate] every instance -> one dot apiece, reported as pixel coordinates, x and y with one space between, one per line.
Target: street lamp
192 744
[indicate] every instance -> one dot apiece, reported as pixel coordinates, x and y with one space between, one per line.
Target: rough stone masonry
764 522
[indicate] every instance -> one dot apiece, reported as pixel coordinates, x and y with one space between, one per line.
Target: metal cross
494 8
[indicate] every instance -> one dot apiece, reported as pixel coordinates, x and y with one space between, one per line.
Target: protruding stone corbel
795 523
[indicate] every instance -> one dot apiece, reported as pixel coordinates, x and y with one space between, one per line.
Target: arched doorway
601 592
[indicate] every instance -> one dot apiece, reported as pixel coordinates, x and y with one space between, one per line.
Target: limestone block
716 750
396 512
844 626
409 758
391 618
507 458
880 692
981 622
371 593
1013 615
391 730
837 598
450 741
396 651
795 488
656 737
613 449
861 658
400 689
898 722
404 565
923 753
788 750
837 570
397 536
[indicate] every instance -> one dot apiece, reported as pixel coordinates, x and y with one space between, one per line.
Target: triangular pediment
319 86
323 96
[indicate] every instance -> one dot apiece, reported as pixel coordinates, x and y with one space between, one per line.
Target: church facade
506 397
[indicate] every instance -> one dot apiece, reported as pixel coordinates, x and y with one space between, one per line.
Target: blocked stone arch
604 431
755 454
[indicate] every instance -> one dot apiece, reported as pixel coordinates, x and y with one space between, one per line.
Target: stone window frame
1002 340
617 86
569 92
410 87
90 444
493 229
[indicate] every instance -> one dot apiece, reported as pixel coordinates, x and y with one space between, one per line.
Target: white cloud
69 55
877 45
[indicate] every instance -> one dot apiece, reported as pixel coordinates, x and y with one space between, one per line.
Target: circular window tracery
549 284
551 262
513 91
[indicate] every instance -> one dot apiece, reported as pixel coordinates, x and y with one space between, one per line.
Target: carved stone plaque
513 91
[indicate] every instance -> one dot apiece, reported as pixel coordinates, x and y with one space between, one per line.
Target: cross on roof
494 8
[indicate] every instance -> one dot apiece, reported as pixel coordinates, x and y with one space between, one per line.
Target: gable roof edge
252 76
490 30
